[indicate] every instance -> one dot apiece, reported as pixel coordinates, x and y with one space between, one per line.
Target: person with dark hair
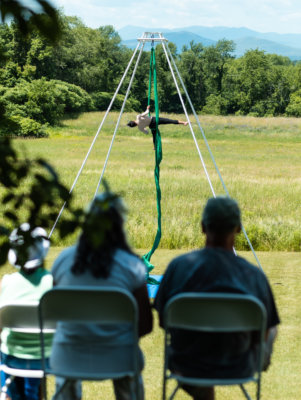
101 258
144 121
27 285
216 269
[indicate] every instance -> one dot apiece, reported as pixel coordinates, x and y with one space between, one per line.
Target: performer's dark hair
102 235
132 124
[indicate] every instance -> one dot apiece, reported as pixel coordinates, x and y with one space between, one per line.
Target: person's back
126 272
101 258
215 269
23 287
21 349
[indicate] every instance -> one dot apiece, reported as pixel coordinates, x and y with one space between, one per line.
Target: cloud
262 15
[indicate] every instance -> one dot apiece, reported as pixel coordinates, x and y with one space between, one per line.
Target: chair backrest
108 305
21 317
215 312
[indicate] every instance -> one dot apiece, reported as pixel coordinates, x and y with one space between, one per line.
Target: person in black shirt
216 269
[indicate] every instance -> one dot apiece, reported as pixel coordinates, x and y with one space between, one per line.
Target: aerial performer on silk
145 121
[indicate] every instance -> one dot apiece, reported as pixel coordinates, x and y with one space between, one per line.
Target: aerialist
143 121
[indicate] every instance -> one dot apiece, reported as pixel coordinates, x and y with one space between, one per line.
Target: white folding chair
214 312
104 306
22 318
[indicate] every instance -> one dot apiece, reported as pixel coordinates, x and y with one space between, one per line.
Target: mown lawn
282 379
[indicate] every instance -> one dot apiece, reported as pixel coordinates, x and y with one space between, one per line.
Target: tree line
41 81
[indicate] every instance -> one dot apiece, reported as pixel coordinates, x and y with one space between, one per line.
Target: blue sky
282 16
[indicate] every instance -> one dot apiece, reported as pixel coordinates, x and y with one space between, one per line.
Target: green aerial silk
158 153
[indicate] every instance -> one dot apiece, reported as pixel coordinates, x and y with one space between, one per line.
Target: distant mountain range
288 44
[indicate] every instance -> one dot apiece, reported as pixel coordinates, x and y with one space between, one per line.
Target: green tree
191 68
254 70
43 195
167 92
36 14
262 87
139 89
294 106
27 18
90 58
215 61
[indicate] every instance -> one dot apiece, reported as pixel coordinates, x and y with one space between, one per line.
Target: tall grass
259 160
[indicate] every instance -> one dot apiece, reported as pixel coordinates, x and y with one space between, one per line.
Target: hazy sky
283 16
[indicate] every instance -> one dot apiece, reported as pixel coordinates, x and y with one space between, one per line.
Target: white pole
94 140
119 118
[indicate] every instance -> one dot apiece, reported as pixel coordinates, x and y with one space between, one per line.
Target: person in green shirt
27 285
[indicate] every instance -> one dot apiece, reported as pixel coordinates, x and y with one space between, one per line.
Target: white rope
211 154
94 140
119 118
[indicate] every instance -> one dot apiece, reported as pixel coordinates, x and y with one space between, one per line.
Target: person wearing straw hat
27 285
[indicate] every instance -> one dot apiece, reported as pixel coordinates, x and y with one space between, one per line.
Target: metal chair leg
60 389
245 392
4 389
174 392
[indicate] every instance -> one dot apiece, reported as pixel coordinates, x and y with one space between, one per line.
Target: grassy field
282 379
260 162
259 159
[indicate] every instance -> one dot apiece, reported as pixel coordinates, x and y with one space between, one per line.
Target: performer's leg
154 137
166 121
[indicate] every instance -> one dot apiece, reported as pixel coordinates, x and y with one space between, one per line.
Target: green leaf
48 167
4 231
4 248
11 216
6 199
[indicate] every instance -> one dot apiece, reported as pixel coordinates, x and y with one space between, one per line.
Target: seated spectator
22 350
216 269
101 258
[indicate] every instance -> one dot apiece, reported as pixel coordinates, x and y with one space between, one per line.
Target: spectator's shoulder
250 267
186 258
63 256
255 274
131 262
182 265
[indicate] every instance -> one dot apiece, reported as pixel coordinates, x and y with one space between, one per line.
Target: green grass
260 162
282 379
259 159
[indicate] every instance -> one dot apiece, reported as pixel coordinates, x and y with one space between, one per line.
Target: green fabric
158 157
24 288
